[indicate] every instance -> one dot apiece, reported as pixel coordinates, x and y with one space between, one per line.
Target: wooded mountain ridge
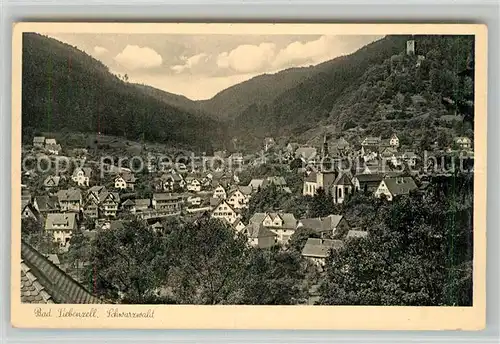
65 89
377 89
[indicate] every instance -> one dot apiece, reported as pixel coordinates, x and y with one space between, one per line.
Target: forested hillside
423 96
64 89
261 89
377 87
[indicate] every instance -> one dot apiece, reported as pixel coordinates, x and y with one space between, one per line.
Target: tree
274 278
270 198
299 238
78 252
209 263
128 263
322 204
34 234
296 164
407 258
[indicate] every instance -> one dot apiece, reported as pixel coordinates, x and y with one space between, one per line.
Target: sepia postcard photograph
251 176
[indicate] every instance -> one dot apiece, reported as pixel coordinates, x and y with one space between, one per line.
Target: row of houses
341 184
266 230
48 144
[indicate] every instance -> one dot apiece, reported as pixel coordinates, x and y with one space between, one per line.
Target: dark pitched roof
255 230
320 248
322 224
343 179
43 281
328 179
311 177
46 203
400 185
166 196
369 177
71 194
371 141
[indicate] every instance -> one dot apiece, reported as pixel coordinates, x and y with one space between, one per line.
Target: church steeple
325 146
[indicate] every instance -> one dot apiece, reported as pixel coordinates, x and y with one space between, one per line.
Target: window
340 192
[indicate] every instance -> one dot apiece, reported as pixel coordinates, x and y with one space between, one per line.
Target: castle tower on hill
410 47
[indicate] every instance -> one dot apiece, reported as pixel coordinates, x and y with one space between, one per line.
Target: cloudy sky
199 66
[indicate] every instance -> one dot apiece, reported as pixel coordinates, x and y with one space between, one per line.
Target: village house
463 142
29 211
291 148
236 159
317 180
194 201
125 181
317 250
238 225
81 176
91 206
51 182
410 158
39 141
220 192
260 236
172 181
341 145
25 194
282 224
394 141
167 202
371 141
46 204
129 206
331 226
307 154
193 184
109 202
268 143
278 181
367 182
255 184
49 142
239 198
225 212
395 186
157 226
390 154
61 226
142 204
70 200
105 224
53 149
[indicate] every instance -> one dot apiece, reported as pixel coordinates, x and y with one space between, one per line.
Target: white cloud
315 51
99 51
136 57
247 58
191 62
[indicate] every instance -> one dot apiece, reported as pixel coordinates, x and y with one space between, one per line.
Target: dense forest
64 89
